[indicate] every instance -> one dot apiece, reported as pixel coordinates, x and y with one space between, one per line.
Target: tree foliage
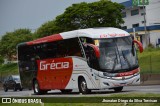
47 28
103 13
10 40
1 60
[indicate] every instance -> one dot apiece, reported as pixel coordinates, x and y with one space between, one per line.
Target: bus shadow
92 93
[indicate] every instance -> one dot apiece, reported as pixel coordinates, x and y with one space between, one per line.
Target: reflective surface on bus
117 55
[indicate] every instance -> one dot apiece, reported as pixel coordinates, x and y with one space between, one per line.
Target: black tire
66 91
15 87
37 90
83 86
5 88
20 89
118 89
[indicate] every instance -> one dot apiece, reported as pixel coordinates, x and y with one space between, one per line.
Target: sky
31 14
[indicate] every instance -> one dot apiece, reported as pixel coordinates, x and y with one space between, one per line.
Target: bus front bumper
111 82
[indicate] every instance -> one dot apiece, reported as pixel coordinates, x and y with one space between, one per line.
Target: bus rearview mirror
140 46
96 50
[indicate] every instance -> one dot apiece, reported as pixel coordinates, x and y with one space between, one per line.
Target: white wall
129 20
152 15
153 12
154 36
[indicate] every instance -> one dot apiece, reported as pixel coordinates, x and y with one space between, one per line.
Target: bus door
92 55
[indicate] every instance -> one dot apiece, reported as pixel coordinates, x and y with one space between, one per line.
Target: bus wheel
83 86
118 89
36 88
20 88
66 91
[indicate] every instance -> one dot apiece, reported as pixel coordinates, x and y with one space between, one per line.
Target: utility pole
145 28
143 3
134 33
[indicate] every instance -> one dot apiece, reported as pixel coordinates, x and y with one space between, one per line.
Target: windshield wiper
115 62
126 60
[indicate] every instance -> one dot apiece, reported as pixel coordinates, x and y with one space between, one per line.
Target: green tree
47 28
103 13
1 60
10 40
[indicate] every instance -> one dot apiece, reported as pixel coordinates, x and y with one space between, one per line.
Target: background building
134 20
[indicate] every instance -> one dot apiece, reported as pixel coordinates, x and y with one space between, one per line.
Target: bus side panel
54 73
73 83
81 68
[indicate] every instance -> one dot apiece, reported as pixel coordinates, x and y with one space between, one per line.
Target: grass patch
8 69
149 61
103 104
128 96
136 95
113 104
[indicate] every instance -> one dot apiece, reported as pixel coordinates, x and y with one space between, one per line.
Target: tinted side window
91 57
73 47
28 55
59 49
87 40
90 53
49 50
26 58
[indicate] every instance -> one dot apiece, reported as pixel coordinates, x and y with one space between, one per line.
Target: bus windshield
117 55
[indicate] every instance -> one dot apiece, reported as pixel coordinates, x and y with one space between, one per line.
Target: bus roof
106 32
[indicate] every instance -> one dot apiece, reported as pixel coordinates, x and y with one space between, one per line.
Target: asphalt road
56 93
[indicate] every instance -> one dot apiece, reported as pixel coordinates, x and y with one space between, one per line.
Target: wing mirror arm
140 46
95 48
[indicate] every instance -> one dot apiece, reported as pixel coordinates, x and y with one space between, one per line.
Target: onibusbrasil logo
21 100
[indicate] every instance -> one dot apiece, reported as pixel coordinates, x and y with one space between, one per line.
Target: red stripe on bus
54 73
51 38
128 73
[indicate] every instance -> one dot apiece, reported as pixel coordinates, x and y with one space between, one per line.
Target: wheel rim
83 86
36 87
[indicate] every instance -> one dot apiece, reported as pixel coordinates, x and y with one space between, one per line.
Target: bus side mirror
140 46
96 50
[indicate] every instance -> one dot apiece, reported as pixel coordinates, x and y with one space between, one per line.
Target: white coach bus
85 59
